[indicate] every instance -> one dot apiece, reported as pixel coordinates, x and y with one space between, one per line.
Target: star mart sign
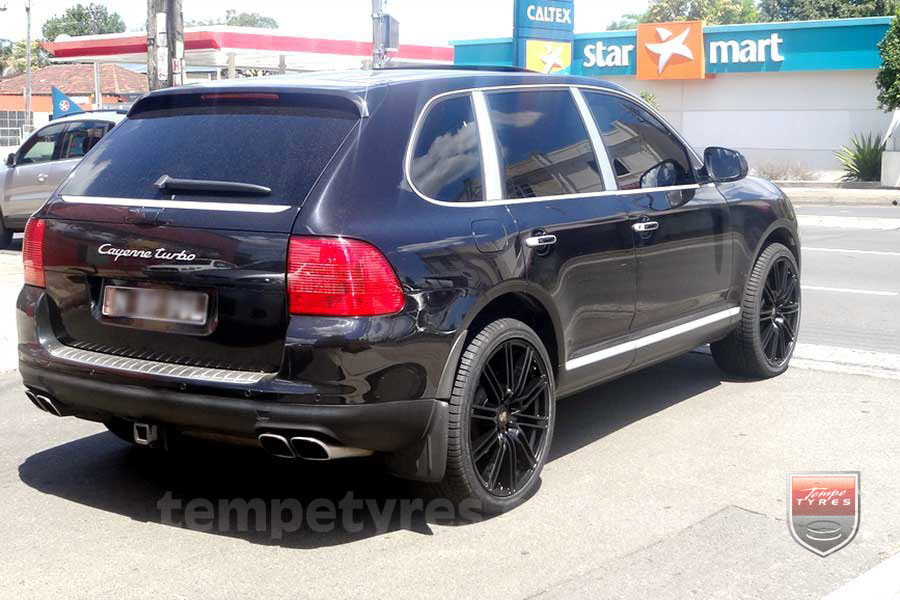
687 50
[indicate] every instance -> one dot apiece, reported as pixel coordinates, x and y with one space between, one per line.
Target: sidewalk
10 284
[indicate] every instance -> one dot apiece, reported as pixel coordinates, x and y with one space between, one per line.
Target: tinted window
283 144
41 147
643 152
81 137
446 162
543 145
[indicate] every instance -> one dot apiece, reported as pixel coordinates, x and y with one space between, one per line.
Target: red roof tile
78 80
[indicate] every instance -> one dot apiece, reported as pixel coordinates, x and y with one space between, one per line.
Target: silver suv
43 162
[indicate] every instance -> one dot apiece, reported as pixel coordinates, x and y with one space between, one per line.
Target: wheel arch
514 300
781 232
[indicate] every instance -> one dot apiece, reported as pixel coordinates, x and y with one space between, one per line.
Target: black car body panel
605 300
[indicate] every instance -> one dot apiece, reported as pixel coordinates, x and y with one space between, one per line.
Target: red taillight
33 252
340 277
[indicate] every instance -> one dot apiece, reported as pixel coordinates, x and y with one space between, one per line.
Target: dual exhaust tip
45 403
307 448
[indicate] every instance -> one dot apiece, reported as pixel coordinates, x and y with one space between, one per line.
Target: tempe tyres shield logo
823 510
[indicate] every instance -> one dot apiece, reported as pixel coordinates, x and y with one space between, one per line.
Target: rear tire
502 415
762 344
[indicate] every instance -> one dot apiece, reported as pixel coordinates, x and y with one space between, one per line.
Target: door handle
548 239
42 177
645 226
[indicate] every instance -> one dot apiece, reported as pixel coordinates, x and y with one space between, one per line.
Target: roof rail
504 68
121 111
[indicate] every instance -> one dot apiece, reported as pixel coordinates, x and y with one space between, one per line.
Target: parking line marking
819 288
884 224
848 251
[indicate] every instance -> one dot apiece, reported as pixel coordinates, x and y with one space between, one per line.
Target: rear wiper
209 185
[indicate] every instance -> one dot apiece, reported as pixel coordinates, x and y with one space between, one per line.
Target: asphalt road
851 277
665 484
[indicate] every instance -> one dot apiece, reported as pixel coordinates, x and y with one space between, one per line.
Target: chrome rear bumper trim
124 364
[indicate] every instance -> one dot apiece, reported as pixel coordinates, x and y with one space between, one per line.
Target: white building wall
791 119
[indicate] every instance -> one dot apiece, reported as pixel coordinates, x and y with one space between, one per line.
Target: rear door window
543 145
643 152
80 137
446 162
282 142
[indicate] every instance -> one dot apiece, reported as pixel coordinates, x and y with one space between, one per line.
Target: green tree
808 10
12 63
626 22
711 11
243 19
83 20
888 79
232 17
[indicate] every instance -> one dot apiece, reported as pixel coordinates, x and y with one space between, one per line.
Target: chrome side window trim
648 340
580 86
179 204
490 157
600 153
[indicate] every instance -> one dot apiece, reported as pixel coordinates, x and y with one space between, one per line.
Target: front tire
502 415
762 344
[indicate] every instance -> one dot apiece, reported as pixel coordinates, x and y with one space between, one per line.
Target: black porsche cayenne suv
414 263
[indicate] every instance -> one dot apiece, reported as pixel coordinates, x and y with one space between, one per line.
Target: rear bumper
383 427
413 431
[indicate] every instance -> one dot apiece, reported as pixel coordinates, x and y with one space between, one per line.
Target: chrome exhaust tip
33 397
276 445
45 403
50 404
310 448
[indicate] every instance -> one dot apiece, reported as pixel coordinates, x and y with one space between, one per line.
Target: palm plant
862 159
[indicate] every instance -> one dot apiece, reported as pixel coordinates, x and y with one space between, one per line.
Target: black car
414 263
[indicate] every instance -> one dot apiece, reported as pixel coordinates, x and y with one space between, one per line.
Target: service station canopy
252 48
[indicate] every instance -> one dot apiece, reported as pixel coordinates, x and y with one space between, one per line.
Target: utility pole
165 43
378 51
28 121
154 7
175 31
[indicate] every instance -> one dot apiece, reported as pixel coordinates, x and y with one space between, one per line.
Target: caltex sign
543 34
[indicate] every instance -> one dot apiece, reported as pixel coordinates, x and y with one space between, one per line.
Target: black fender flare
515 286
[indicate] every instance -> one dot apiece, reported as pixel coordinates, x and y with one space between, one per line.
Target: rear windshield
276 142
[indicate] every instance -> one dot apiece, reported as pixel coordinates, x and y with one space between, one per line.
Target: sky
428 22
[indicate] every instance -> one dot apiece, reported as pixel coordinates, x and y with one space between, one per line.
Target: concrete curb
843 185
839 196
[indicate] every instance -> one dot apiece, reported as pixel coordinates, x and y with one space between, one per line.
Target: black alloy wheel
764 339
502 413
509 418
779 314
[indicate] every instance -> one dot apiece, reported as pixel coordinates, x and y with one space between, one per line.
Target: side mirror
725 165
11 159
663 174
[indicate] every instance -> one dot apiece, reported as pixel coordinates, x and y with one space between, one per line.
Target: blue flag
62 104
